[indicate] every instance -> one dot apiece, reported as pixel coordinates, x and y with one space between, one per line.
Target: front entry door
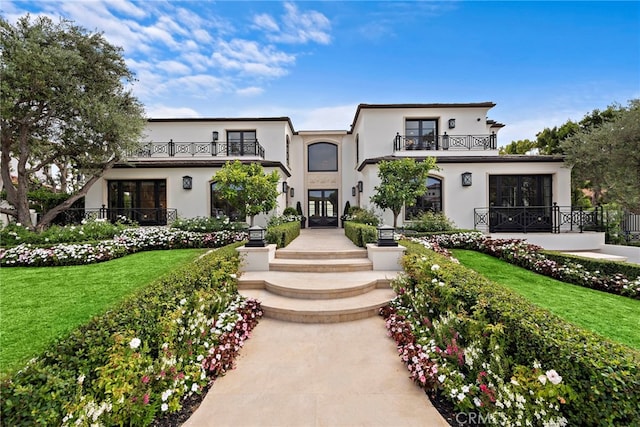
323 208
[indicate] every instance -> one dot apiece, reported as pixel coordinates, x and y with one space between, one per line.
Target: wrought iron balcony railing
445 142
199 149
535 219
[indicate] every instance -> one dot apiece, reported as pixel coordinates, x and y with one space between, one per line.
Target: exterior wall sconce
215 135
360 186
452 123
385 236
285 186
256 237
353 191
291 193
466 179
187 182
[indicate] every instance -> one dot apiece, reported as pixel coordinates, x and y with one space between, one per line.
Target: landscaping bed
144 357
490 351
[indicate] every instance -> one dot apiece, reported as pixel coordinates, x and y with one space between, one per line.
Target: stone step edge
326 293
320 268
321 255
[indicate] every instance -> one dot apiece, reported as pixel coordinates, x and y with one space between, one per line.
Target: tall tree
549 140
401 183
522 146
606 156
247 188
64 100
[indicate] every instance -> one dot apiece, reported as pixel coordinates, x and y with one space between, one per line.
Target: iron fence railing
199 149
533 219
630 227
445 142
143 216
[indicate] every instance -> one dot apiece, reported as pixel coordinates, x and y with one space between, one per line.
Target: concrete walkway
301 374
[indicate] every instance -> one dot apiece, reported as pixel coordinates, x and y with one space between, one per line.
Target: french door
323 208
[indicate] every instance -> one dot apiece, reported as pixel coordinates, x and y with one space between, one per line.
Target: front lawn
612 316
40 304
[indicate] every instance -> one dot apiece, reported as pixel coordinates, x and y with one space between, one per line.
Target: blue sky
542 63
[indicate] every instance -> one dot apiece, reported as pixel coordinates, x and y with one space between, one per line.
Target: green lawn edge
612 316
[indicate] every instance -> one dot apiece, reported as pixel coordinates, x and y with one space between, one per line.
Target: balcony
171 149
445 142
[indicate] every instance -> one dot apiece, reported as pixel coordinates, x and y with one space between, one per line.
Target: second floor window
421 134
241 142
323 157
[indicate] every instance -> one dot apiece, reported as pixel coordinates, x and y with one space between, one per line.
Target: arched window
220 207
431 200
323 157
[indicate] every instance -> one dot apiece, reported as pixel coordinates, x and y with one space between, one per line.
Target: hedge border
605 375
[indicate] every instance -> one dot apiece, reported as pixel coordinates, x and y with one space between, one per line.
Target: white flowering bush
127 242
141 359
488 350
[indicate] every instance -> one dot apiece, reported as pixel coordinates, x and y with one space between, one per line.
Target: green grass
38 304
612 316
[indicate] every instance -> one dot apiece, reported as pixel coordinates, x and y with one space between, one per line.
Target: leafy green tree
606 156
247 188
64 100
549 140
522 146
401 183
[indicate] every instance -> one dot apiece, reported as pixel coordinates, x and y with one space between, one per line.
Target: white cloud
173 67
158 111
297 27
338 117
252 58
265 22
250 91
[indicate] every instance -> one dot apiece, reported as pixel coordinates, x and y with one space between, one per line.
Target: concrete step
320 311
320 254
598 256
321 265
316 285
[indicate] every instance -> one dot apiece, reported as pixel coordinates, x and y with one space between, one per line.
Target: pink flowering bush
533 258
488 350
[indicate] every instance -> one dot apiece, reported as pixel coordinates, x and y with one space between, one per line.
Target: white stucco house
172 176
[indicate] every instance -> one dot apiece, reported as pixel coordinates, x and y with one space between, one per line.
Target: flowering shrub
141 359
483 347
531 257
90 230
472 376
283 219
127 242
207 224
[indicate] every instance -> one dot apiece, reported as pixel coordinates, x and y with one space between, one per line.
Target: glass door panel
323 208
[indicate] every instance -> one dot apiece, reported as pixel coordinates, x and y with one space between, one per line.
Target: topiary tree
401 183
247 188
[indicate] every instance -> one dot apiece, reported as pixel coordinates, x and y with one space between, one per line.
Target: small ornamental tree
247 188
401 183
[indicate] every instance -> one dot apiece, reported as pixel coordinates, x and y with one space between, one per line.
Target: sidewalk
338 374
317 374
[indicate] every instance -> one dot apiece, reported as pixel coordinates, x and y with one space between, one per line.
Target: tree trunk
50 215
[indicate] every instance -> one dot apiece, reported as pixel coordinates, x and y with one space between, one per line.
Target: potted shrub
303 219
345 213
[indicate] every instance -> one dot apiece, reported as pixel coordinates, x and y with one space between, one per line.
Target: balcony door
143 201
323 208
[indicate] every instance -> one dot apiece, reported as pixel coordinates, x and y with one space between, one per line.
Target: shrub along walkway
317 374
